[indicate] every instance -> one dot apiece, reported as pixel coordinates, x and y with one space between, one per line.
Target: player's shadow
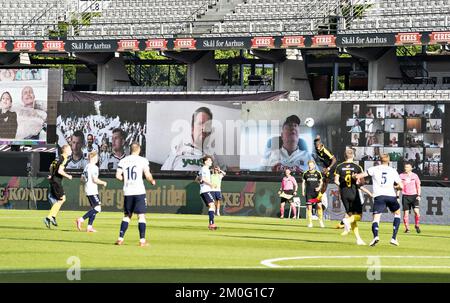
282 239
37 228
58 241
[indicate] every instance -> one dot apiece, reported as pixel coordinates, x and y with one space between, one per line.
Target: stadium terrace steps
391 95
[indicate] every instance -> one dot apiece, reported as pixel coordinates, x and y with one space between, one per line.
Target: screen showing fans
408 132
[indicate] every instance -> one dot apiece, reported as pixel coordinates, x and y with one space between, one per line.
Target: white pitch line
270 262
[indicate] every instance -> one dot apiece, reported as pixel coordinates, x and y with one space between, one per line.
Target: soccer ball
309 122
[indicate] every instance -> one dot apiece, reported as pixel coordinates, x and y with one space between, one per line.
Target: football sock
142 226
375 229
417 219
406 221
309 216
294 210
89 214
281 211
54 210
123 229
320 213
211 216
92 218
355 230
396 224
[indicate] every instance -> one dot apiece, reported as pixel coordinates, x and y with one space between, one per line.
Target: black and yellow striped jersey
345 170
325 156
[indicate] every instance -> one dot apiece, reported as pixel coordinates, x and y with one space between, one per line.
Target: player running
216 180
410 196
91 182
311 186
384 178
350 194
130 170
57 173
206 188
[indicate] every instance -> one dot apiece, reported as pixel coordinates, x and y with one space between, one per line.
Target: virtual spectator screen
262 137
408 132
23 106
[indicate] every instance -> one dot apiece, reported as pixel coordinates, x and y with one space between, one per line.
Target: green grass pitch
182 249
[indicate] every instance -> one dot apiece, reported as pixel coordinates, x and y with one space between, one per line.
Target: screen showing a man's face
202 128
28 96
290 133
76 144
117 142
90 140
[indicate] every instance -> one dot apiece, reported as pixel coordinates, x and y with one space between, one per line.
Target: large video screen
274 135
23 106
408 132
108 128
180 133
261 137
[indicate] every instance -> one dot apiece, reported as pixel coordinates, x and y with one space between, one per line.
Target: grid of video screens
407 132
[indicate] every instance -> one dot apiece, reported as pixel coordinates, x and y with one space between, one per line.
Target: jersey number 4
131 173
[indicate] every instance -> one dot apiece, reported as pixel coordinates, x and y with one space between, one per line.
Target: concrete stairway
204 23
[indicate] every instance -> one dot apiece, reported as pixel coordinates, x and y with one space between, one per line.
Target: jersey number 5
383 178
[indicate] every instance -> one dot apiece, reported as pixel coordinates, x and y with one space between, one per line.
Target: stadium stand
399 15
155 18
390 95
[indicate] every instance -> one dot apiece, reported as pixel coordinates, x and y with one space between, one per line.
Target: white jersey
76 164
103 159
86 150
90 172
113 162
188 157
279 160
133 168
205 174
383 178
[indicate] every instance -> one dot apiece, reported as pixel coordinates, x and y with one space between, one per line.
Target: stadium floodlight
24 58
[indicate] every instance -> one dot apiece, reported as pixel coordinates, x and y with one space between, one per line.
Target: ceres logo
263 42
53 46
324 40
442 37
128 45
156 44
2 46
184 43
298 41
24 46
408 38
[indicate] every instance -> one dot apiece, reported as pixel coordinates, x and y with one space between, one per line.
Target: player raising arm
130 170
385 181
91 182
